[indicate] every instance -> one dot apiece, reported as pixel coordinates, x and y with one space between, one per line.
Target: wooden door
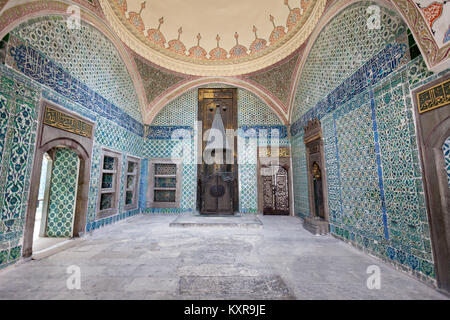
217 182
276 193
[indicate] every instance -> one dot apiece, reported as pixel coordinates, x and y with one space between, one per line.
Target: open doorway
59 190
56 199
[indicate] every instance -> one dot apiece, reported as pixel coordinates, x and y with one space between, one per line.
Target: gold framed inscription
434 97
60 120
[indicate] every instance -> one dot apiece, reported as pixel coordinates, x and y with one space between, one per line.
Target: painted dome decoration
238 50
229 37
156 36
218 53
176 45
258 44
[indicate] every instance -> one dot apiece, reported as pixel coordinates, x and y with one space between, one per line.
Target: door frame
47 138
286 163
433 128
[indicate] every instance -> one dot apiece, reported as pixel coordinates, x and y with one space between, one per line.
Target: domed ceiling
213 38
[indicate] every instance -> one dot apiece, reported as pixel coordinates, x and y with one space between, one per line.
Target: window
131 186
108 195
165 180
413 48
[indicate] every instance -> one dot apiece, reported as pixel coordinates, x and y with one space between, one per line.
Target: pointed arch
14 16
341 5
185 86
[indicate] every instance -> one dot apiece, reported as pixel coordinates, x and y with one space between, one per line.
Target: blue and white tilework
63 193
343 46
19 108
181 114
300 180
446 152
375 189
87 55
118 127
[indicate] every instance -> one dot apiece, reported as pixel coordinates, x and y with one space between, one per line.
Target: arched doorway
58 186
69 147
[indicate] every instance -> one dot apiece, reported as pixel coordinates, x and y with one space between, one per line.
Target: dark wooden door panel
217 182
276 193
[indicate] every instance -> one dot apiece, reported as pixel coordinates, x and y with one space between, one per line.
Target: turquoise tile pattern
20 94
182 114
300 181
353 44
18 112
375 190
63 193
87 55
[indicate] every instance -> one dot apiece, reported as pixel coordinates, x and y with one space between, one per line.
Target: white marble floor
144 258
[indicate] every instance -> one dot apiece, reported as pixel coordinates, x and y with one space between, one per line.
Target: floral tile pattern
375 189
353 45
18 112
63 193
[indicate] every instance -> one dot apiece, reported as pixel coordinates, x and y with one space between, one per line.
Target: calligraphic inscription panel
283 152
434 97
57 119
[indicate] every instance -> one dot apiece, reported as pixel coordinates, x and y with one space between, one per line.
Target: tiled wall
300 180
18 114
63 193
375 190
343 46
52 67
253 116
258 126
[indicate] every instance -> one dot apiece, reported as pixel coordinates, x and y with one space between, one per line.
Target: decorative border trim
255 132
437 59
27 60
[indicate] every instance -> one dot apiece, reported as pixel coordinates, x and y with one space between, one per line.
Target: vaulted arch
191 84
17 15
435 58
